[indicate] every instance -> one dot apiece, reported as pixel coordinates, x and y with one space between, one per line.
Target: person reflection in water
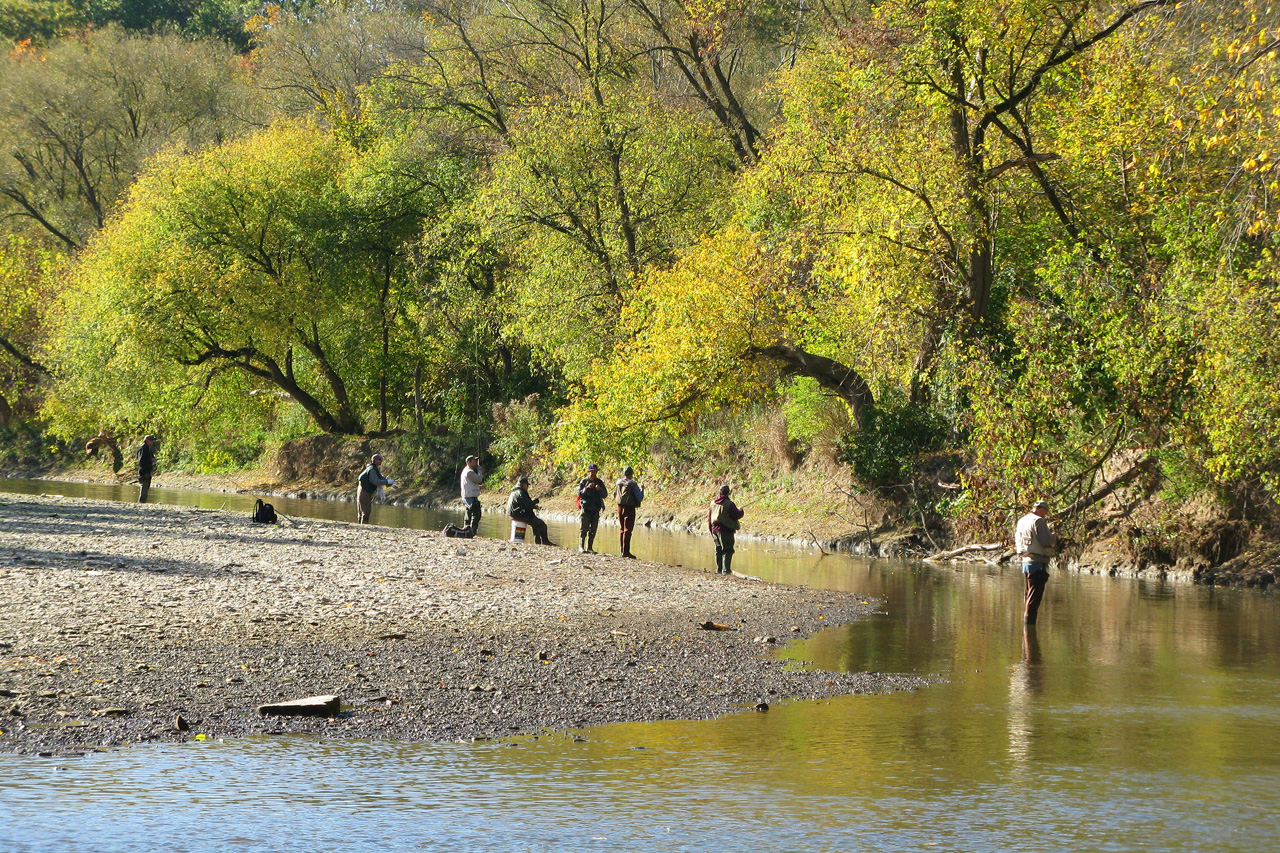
1026 683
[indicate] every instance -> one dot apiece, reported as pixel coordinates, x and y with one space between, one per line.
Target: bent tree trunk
256 363
830 374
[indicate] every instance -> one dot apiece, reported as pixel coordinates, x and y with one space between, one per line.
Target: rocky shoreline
122 624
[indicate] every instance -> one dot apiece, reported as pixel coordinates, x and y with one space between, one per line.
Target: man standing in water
1036 545
722 519
370 479
629 495
472 477
146 467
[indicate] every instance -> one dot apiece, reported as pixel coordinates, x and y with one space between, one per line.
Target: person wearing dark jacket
521 508
629 494
722 519
146 466
591 494
367 486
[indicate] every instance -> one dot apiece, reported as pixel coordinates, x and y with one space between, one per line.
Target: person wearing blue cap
591 496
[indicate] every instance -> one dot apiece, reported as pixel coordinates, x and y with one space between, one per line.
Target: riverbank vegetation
953 255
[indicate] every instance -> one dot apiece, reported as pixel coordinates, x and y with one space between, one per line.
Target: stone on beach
312 706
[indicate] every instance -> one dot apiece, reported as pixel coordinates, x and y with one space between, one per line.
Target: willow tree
278 260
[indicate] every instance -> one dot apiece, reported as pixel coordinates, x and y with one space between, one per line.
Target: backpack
453 531
720 517
264 513
627 494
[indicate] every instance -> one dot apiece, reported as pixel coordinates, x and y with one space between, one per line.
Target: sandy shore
116 619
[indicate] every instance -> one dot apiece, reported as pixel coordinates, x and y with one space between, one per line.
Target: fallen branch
967 549
816 542
1138 468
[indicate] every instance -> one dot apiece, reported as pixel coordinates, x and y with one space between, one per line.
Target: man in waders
146 466
1036 545
472 477
367 486
591 494
722 520
629 494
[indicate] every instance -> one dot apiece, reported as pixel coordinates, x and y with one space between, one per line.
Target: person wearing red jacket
722 519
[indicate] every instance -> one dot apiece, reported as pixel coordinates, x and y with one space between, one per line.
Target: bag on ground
264 513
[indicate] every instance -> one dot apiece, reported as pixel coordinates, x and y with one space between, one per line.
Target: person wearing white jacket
1036 545
472 477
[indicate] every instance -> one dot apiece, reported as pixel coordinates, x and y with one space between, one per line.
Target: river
1138 715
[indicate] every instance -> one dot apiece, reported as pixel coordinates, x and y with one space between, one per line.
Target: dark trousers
539 526
364 504
473 513
1036 579
724 551
588 522
145 483
626 518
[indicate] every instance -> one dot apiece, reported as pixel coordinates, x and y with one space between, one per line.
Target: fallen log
966 549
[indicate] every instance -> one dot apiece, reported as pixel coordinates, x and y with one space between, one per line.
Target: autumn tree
79 119
281 258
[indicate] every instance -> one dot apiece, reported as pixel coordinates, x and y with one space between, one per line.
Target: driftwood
967 549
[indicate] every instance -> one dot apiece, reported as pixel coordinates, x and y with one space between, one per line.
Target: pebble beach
124 623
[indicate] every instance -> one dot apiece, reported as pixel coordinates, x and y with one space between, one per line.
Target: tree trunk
828 373
417 397
386 347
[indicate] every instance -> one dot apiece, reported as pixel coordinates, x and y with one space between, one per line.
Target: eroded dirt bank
115 619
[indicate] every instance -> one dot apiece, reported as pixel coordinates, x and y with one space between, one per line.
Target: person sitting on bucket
521 507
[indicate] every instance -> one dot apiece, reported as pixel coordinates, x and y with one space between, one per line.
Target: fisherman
371 479
146 466
1036 544
472 477
722 520
629 495
521 508
591 495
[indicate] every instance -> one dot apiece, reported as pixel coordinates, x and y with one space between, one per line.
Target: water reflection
1135 716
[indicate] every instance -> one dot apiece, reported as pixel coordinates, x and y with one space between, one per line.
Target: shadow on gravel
34 519
81 561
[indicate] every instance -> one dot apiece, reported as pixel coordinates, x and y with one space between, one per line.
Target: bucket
518 530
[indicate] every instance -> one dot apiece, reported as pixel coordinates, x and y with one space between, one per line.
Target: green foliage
274 262
898 433
1040 234
42 20
813 416
522 431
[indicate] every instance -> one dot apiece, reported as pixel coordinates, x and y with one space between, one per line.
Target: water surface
1136 716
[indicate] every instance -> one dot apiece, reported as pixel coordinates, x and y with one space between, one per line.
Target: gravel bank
115 619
